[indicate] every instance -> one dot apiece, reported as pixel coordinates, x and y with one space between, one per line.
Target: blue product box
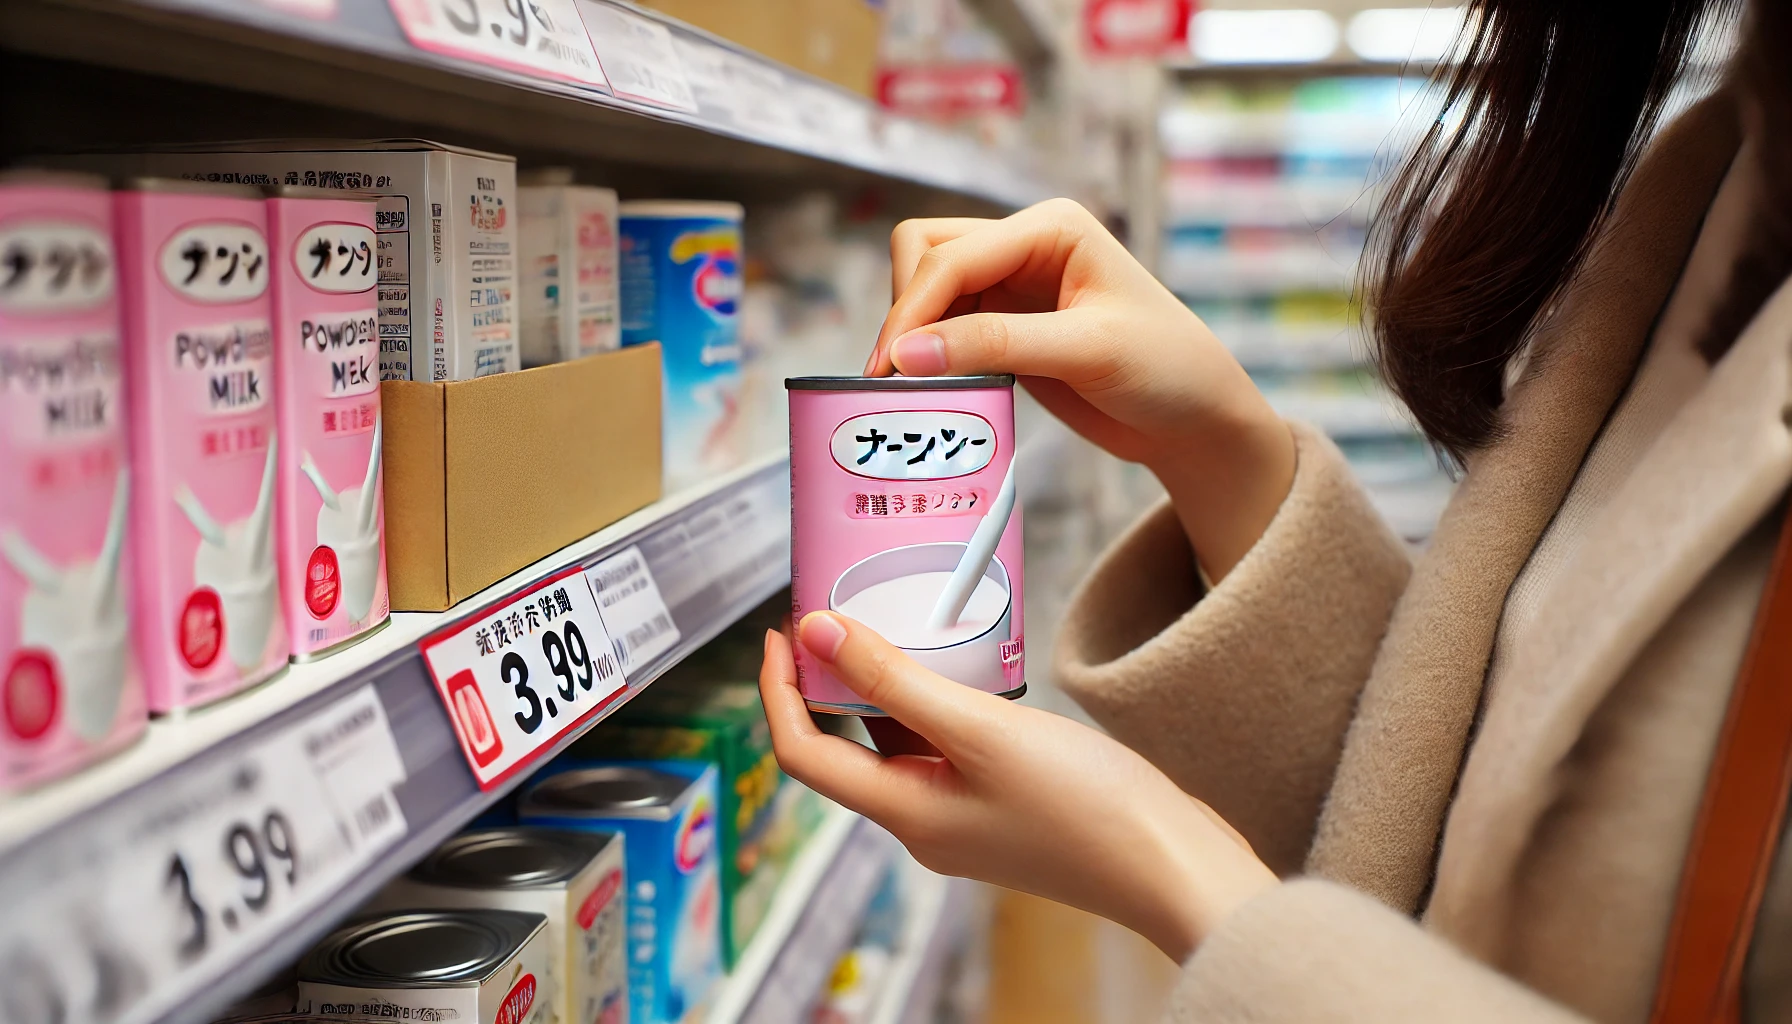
680 283
667 812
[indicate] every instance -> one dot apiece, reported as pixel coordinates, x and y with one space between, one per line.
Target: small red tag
600 897
200 632
323 582
33 694
515 1008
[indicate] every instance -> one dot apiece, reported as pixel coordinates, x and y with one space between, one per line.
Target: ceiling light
1263 37
1400 34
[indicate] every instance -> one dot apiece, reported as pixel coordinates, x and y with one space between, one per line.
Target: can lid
182 186
615 791
420 948
668 208
27 177
345 195
510 858
989 380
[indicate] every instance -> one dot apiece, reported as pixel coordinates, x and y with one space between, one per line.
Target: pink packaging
70 692
194 266
890 482
331 519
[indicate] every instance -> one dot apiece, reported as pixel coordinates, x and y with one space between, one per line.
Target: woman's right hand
1048 294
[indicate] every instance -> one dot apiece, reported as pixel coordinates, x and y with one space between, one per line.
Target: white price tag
136 907
638 57
520 676
320 9
544 38
640 624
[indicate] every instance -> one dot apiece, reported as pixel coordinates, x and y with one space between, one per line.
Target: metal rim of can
992 380
559 855
676 209
557 795
420 948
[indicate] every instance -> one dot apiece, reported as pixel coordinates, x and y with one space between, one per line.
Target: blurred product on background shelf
1268 187
818 286
566 236
680 278
446 234
939 61
193 263
575 879
71 692
331 519
834 40
666 811
473 966
763 817
856 987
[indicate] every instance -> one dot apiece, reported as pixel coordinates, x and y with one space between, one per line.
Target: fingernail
765 649
823 634
919 355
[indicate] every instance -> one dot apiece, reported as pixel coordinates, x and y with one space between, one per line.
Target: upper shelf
713 106
1024 25
164 883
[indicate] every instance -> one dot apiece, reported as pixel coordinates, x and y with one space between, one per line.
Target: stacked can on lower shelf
484 966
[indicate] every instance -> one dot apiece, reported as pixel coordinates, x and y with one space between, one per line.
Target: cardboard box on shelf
485 476
834 40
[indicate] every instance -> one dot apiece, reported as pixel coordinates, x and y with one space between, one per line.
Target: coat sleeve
1242 694
1310 952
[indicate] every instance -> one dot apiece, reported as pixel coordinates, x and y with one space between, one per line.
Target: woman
1344 783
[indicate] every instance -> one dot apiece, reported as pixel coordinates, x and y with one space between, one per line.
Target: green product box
763 815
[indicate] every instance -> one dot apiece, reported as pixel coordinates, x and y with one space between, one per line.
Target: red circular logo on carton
33 694
515 1008
200 632
323 582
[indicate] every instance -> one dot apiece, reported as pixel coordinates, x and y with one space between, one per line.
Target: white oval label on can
337 258
54 267
216 262
912 445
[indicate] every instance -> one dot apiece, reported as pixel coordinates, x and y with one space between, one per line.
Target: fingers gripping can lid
903 513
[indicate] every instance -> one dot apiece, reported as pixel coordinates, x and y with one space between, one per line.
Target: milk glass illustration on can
327 379
903 517
194 266
69 688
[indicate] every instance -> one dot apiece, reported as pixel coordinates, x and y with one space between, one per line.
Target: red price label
1136 28
518 677
951 90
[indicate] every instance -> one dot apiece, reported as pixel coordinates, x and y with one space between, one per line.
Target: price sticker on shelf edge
521 675
638 57
640 624
128 912
543 38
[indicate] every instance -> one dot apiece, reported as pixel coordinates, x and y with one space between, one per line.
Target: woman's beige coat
1464 855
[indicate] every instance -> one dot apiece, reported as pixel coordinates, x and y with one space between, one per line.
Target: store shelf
912 989
725 109
810 923
80 871
1025 25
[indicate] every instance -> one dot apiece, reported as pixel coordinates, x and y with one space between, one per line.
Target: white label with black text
638 57
519 676
138 907
545 38
640 624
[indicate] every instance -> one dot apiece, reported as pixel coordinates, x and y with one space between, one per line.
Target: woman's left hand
1021 797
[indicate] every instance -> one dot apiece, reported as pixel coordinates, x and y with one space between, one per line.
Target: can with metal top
895 483
484 966
331 521
575 879
666 811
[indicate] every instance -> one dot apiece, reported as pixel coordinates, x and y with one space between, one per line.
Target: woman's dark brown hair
1546 107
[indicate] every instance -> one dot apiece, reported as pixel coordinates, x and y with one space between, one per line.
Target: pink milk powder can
331 521
70 691
194 268
892 481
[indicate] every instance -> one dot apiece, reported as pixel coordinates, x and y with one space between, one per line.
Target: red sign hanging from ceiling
1136 28
951 90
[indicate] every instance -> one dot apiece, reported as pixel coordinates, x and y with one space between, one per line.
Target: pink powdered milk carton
901 498
331 521
194 268
70 691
